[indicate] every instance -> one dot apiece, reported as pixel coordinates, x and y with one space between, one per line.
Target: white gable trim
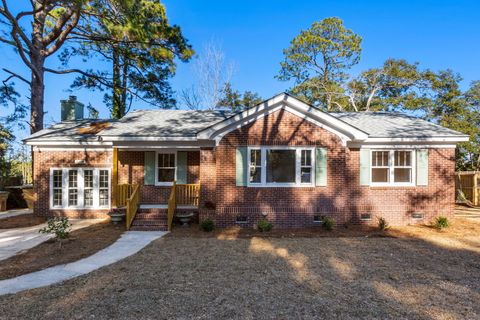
340 128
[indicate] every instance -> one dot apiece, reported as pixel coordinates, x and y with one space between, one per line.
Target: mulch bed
82 243
23 221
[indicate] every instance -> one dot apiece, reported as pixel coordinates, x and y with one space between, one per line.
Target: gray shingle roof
394 125
165 123
186 123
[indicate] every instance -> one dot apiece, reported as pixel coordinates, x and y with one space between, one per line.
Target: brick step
149 228
149 222
154 210
160 216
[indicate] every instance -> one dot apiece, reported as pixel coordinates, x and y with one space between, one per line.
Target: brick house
282 159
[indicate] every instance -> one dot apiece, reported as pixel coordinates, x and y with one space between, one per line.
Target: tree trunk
37 89
117 86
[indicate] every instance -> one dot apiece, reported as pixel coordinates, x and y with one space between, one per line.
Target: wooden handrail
188 194
123 192
172 206
132 205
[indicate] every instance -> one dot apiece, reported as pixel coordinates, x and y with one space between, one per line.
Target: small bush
327 223
441 223
207 225
264 225
382 224
60 227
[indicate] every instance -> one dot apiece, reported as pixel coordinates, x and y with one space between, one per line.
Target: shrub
207 225
60 227
328 223
382 224
264 225
441 223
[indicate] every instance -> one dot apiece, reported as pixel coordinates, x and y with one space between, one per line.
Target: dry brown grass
82 243
414 276
22 221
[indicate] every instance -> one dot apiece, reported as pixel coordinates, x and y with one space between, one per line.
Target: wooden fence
469 183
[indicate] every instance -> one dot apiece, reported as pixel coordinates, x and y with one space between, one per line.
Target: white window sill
392 185
164 184
80 208
279 185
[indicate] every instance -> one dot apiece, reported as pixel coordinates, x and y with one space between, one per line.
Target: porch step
150 219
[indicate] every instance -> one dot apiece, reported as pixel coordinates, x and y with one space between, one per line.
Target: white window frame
80 188
166 151
391 169
298 154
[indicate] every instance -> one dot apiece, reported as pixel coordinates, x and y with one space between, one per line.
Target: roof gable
344 130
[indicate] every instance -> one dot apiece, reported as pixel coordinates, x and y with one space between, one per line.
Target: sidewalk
14 213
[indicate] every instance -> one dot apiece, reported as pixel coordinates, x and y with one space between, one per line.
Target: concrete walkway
14 241
14 213
129 243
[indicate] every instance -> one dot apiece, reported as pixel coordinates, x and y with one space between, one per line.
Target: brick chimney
72 109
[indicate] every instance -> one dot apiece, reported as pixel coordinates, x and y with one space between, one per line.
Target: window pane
88 178
103 180
379 158
380 175
306 175
166 175
306 157
402 175
255 158
281 166
255 174
72 197
403 158
57 178
103 199
72 178
88 197
57 197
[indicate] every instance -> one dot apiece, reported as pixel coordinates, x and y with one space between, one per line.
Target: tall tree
212 72
317 61
137 41
236 101
36 34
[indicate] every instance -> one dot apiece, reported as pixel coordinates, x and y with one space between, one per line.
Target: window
79 188
280 166
57 181
255 166
241 219
165 168
103 188
88 188
392 167
72 188
306 166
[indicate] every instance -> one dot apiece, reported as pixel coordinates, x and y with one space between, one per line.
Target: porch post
115 177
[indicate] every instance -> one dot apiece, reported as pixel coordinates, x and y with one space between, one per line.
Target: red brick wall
342 199
44 160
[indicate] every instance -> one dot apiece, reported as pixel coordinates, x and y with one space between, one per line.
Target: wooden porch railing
132 204
172 205
188 194
123 192
184 195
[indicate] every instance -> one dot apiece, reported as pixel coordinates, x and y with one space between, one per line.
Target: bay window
281 166
392 167
79 188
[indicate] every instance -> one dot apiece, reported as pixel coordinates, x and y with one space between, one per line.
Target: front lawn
415 273
22 221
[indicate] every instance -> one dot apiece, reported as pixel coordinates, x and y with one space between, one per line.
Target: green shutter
365 167
241 166
321 167
149 168
422 167
182 167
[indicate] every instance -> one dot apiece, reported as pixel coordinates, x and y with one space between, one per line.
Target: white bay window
281 166
79 188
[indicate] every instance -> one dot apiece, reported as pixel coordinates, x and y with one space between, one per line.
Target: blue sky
437 34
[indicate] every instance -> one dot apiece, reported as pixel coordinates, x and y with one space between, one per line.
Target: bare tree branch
14 75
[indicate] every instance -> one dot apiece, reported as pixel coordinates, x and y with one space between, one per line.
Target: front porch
140 216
